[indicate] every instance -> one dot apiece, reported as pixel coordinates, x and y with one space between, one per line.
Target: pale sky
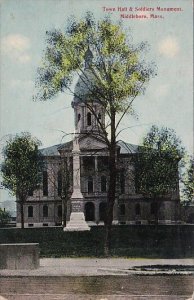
168 100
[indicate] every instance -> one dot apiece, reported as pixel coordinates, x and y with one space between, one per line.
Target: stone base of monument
77 222
19 256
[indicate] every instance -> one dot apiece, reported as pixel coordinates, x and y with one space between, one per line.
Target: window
89 119
122 182
103 163
90 184
90 211
78 117
45 183
122 209
59 186
45 211
59 211
99 116
88 163
30 211
103 184
154 208
137 209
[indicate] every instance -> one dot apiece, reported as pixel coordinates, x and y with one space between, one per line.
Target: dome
84 86
86 81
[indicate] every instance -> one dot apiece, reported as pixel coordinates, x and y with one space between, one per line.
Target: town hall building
75 180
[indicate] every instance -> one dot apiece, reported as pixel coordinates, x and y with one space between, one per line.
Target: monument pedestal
77 222
77 218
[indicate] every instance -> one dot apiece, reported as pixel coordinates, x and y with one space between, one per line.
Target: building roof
125 148
50 151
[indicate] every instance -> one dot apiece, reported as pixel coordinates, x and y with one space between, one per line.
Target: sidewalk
96 279
92 266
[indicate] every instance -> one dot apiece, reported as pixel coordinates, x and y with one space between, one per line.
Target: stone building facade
44 206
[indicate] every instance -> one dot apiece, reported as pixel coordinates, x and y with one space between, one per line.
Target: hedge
162 241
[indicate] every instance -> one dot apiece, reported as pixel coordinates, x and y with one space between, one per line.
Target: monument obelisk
77 218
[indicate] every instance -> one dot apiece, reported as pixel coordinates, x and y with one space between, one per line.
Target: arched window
78 117
30 211
59 181
137 209
102 211
45 211
89 119
90 184
122 209
59 211
103 183
90 211
45 183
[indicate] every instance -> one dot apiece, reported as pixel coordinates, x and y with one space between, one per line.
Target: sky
168 100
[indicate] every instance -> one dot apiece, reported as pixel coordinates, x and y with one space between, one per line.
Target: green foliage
188 181
157 162
4 217
22 165
111 68
127 240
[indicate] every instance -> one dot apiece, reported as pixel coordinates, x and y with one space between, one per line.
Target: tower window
45 211
30 211
78 117
89 119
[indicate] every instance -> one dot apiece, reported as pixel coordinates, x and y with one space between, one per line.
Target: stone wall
19 256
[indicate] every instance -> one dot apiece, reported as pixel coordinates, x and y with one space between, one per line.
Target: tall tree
21 169
157 173
113 73
66 179
5 217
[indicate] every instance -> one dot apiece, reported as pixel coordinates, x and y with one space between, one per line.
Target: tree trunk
112 187
157 202
107 240
22 213
64 212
